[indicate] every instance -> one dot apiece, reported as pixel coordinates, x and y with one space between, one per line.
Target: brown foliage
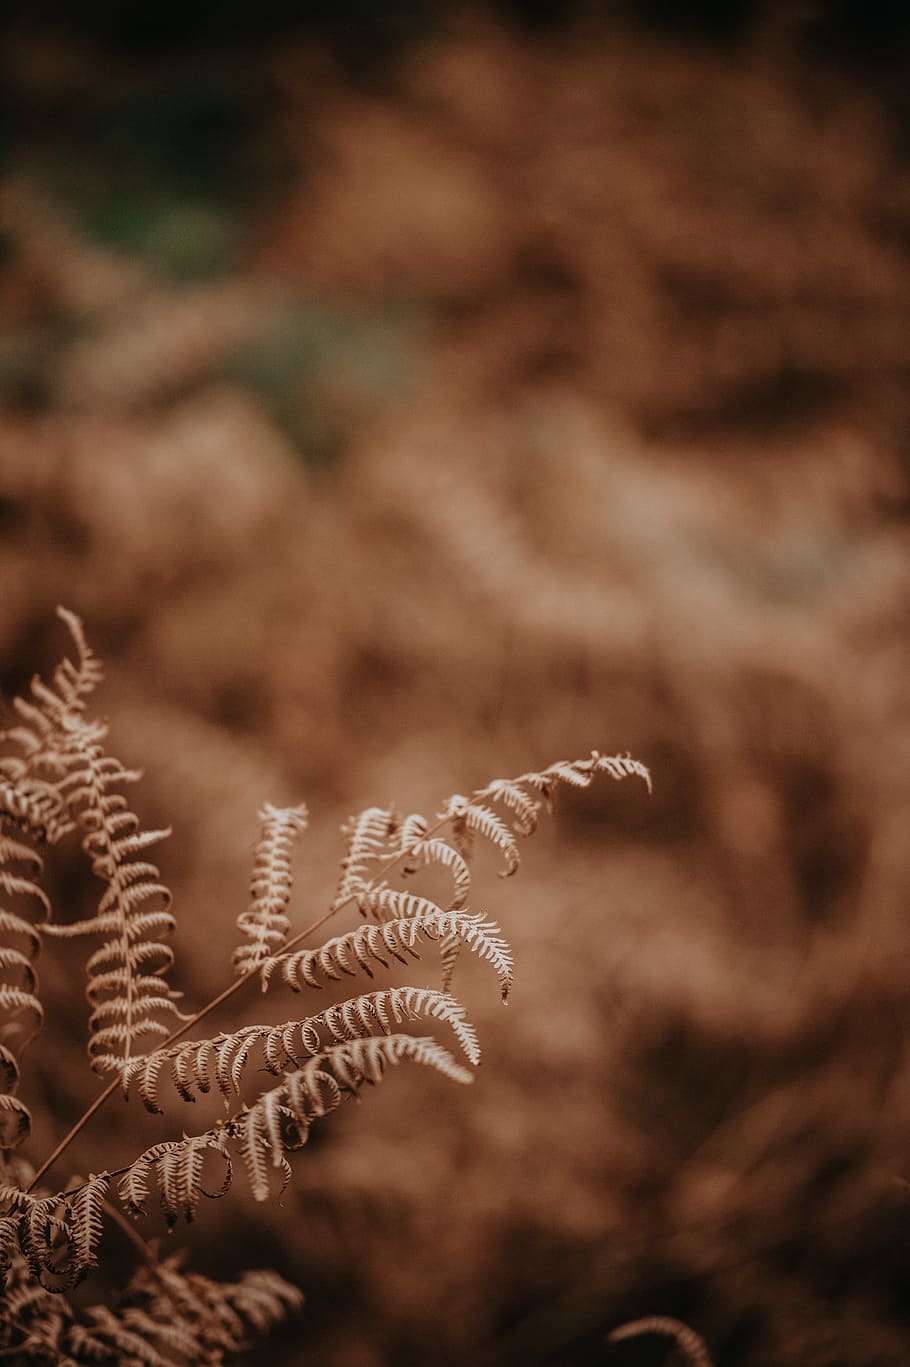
650 481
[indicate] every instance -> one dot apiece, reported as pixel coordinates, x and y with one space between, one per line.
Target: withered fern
56 779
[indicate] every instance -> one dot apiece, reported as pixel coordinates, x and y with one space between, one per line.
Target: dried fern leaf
42 738
198 1066
391 904
370 843
436 851
214 1315
64 749
136 1181
361 1015
265 923
262 1299
575 773
194 1319
20 1007
165 1318
473 816
126 987
114 1337
449 951
525 809
86 1205
692 1346
411 834
33 1321
368 945
32 805
176 1166
47 716
58 1235
278 1122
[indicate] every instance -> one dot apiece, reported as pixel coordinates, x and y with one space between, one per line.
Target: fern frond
361 1015
192 1319
20 1006
473 818
441 852
692 1346
411 832
265 922
370 842
177 1166
126 987
34 806
9 1242
115 1338
262 1299
52 709
62 748
86 1205
42 736
366 1060
33 1321
278 1122
510 794
473 815
58 1235
391 904
165 1318
575 773
359 950
221 1062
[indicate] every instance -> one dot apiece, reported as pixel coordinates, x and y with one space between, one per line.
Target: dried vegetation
647 480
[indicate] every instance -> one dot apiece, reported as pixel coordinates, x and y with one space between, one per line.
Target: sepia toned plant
276 1081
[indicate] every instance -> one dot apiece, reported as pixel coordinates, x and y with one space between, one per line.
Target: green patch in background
169 166
323 370
181 239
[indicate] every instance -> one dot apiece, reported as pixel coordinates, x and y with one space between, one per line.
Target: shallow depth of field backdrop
416 395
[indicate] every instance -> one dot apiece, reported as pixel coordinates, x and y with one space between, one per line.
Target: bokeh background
411 395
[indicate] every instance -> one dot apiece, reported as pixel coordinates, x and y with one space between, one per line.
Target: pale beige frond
471 818
437 851
265 922
361 1015
221 1062
449 951
20 1006
64 748
278 1122
371 842
510 794
359 950
413 828
391 904
177 1167
41 737
475 816
575 773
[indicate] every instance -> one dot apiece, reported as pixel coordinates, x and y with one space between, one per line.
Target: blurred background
411 395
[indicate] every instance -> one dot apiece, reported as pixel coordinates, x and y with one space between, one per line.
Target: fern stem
80 1124
221 998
